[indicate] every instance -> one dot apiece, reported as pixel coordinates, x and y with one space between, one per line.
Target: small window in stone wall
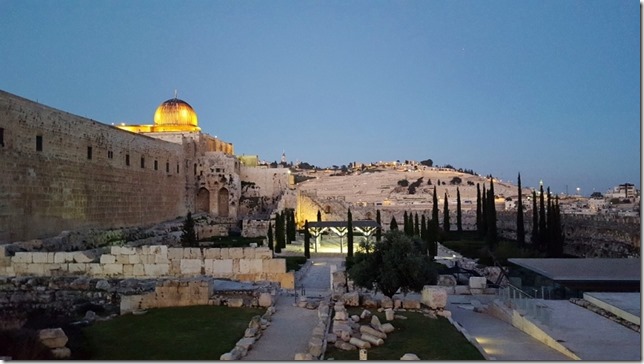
195 169
110 154
156 165
127 159
89 152
39 143
167 167
1 137
142 162
177 167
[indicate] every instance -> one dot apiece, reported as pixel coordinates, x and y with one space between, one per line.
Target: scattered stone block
387 328
478 283
315 346
61 353
103 285
343 345
444 313
53 338
341 316
265 299
235 302
434 297
351 299
369 302
375 323
386 302
446 280
303 356
364 329
389 314
400 317
409 303
365 314
372 339
359 343
409 356
246 343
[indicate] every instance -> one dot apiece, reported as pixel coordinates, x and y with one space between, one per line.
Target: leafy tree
459 217
393 225
403 183
270 236
393 265
491 234
349 234
188 235
456 181
379 228
446 226
307 240
520 226
596 195
427 162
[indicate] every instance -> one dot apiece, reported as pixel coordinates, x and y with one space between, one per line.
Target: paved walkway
498 338
291 326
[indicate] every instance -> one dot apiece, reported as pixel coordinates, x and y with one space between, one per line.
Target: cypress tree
520 226
270 236
379 229
349 234
188 235
435 208
534 239
307 240
319 216
423 228
416 225
406 223
279 232
459 218
446 226
293 227
542 220
484 206
393 225
550 226
290 225
558 232
479 212
491 235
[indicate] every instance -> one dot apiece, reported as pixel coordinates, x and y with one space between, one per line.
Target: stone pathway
291 326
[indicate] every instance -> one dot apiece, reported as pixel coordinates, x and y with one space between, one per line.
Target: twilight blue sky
548 88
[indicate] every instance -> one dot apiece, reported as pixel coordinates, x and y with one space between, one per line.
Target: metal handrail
516 298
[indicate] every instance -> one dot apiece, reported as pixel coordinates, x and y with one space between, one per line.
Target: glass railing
525 303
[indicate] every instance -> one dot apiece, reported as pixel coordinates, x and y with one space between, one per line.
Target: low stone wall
243 264
255 228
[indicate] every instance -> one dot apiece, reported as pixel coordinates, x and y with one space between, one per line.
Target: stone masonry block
236 253
95 269
139 270
478 282
128 270
263 253
60 257
274 266
161 259
133 259
3 250
23 257
122 259
251 266
192 253
191 266
115 250
83 257
112 269
108 259
36 269
77 267
175 253
20 268
249 253
126 250
156 270
39 257
50 257
222 268
161 250
212 253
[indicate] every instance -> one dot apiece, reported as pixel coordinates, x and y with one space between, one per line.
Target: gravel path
291 326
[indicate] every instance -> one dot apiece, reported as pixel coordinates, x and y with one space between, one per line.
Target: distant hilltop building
626 190
66 172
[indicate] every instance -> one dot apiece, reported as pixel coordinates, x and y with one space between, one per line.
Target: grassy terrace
430 339
177 333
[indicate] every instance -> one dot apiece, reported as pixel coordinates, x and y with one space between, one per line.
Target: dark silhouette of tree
542 221
406 223
435 208
319 216
290 225
349 234
270 236
459 216
446 225
423 228
394 265
393 225
491 234
416 225
534 238
188 235
307 240
379 228
479 212
484 203
280 238
520 225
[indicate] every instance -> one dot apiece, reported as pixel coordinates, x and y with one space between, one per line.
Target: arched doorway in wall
203 200
222 201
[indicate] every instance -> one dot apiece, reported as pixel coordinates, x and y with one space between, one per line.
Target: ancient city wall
243 264
262 189
65 172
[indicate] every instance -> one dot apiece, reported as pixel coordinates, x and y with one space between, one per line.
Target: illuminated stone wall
262 190
60 188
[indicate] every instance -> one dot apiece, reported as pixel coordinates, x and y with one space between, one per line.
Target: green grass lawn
430 339
185 333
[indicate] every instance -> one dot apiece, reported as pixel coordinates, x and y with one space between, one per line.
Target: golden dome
175 112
